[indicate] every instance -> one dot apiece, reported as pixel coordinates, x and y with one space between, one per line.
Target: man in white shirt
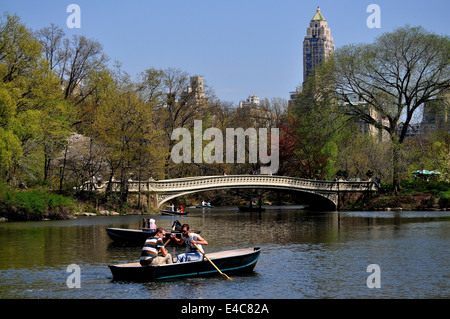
192 253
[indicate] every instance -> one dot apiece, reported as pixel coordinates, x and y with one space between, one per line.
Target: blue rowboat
171 212
122 235
237 261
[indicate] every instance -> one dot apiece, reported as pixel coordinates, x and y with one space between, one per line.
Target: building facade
252 100
317 45
353 100
435 117
194 94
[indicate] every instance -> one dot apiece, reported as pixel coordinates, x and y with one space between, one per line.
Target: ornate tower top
317 44
318 16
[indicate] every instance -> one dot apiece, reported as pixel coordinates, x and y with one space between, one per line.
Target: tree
275 108
360 152
84 56
124 126
71 59
51 39
22 74
314 122
19 50
395 75
178 100
35 117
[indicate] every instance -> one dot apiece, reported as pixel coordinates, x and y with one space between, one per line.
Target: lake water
304 255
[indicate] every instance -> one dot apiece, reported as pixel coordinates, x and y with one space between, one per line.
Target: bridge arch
328 204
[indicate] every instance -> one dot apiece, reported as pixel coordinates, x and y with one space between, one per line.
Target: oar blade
225 276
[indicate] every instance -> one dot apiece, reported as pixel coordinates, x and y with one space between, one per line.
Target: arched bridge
334 193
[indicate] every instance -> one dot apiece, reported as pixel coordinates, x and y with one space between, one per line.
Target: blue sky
241 47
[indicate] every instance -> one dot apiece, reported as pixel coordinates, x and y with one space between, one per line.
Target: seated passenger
154 252
152 225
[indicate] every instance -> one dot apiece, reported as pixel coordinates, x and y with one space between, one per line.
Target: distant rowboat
236 261
123 235
171 212
203 206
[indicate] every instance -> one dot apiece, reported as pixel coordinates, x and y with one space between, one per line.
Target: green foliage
34 204
10 152
7 107
34 119
20 51
444 199
420 185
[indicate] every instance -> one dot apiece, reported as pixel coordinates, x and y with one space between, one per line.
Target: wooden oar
167 242
223 274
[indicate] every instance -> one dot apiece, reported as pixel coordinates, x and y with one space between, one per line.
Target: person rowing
191 240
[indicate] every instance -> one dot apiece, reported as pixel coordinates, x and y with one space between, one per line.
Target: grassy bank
414 195
34 204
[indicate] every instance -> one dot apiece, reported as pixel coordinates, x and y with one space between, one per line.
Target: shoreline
39 204
370 205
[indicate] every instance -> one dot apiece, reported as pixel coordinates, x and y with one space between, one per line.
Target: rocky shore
100 213
420 201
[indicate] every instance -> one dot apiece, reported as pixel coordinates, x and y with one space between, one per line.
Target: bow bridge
329 194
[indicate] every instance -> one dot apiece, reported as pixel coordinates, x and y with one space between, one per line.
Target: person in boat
192 253
154 252
206 204
176 226
151 225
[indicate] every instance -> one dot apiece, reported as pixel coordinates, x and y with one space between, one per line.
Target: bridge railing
205 182
260 180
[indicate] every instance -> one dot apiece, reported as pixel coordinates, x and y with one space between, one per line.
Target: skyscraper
317 45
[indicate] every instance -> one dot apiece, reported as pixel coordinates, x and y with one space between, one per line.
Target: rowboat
123 235
172 212
237 261
203 206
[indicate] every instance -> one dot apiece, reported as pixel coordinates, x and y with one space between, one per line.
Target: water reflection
305 255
